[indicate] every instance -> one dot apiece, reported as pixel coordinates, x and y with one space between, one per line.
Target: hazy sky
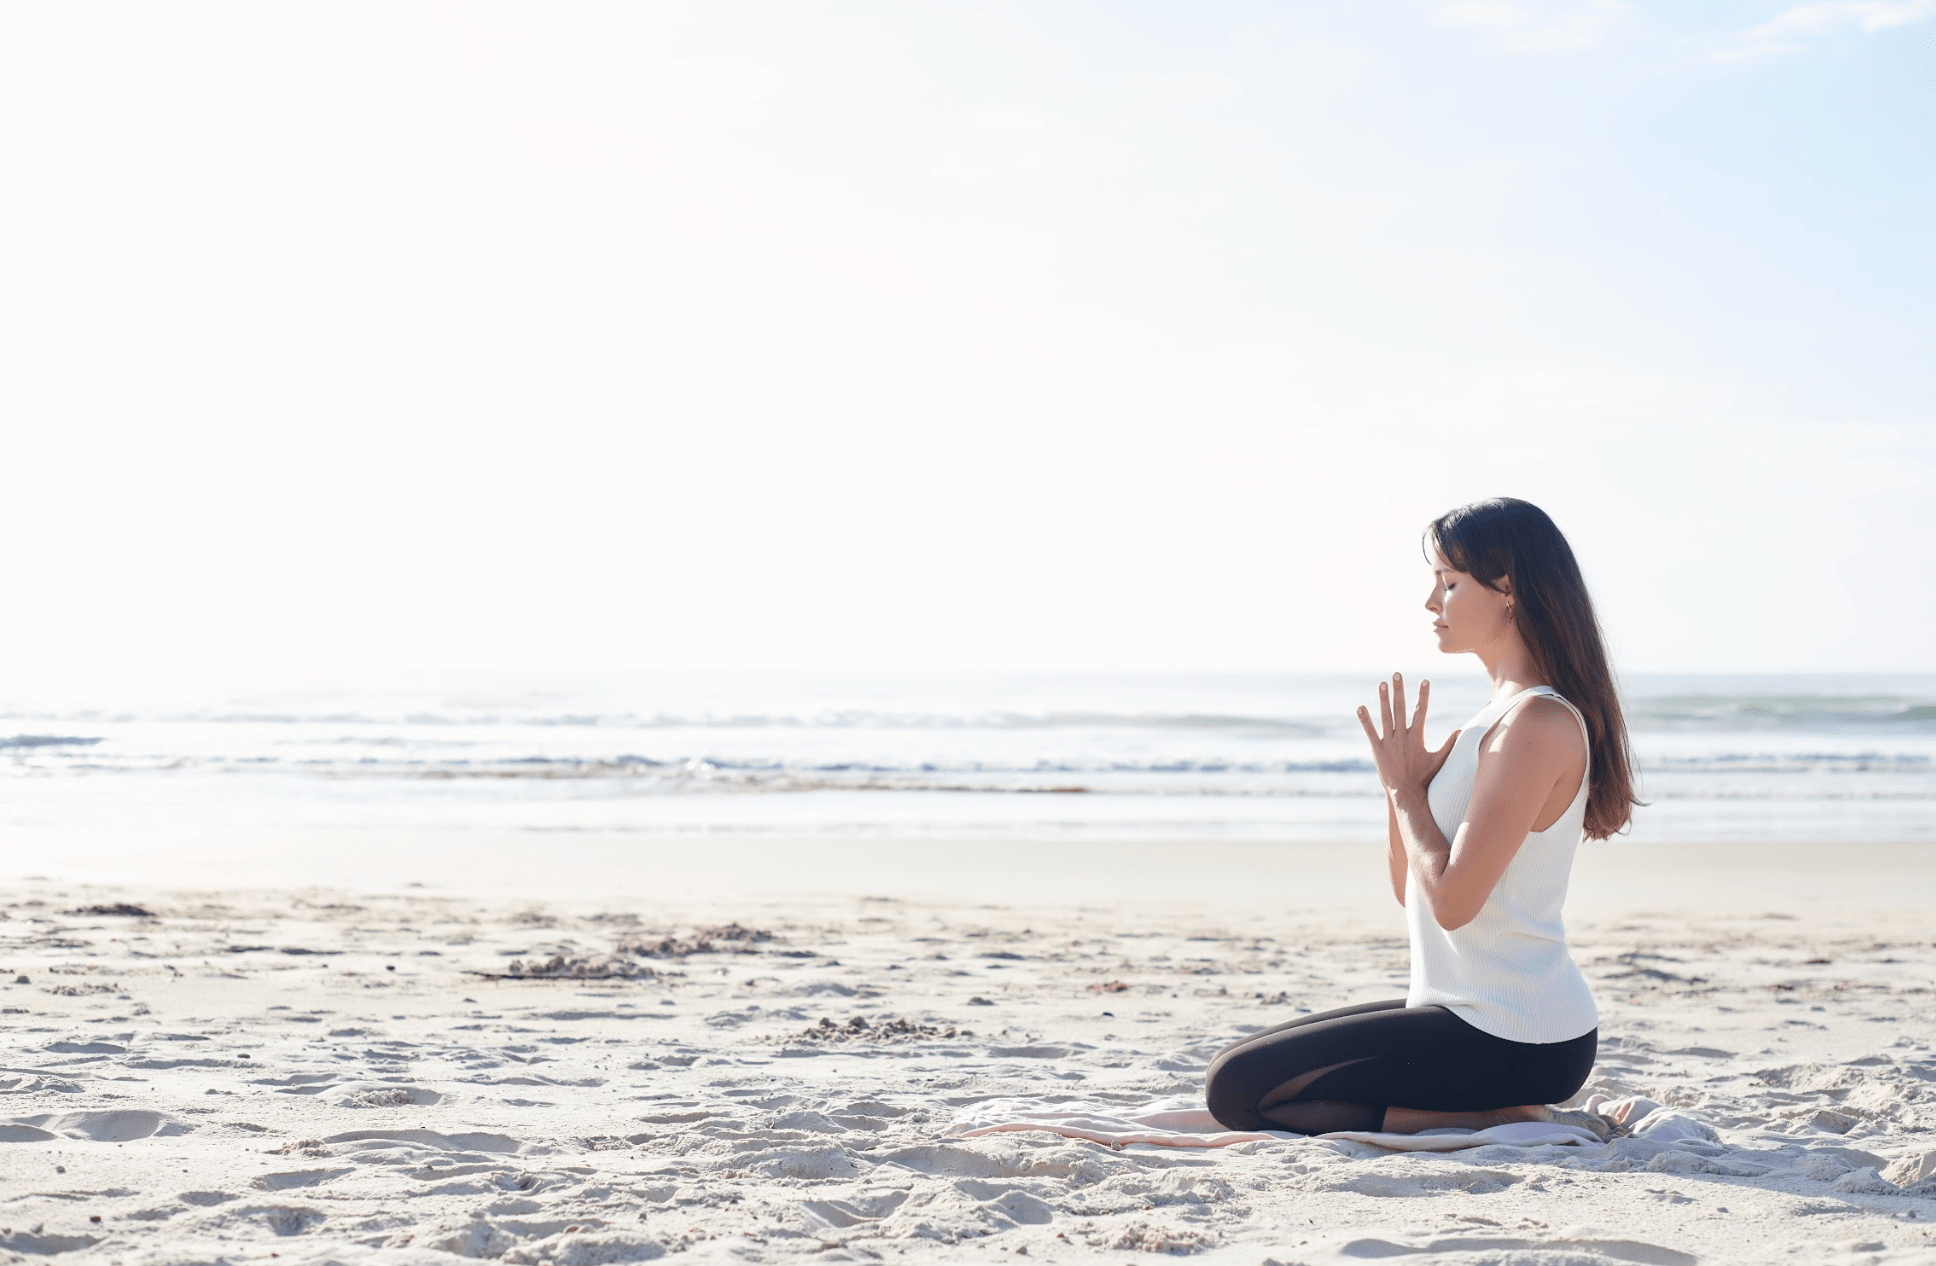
343 339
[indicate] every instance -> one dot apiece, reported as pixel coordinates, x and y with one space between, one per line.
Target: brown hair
1505 538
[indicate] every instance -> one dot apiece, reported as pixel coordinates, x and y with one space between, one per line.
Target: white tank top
1508 972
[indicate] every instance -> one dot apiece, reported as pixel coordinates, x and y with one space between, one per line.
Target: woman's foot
1601 1128
1415 1120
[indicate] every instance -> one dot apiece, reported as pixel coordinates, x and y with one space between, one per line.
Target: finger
1424 693
1446 746
1364 719
1398 699
1384 706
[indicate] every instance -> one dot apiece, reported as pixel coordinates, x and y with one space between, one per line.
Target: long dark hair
1505 538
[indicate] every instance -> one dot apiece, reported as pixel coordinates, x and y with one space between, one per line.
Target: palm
1398 746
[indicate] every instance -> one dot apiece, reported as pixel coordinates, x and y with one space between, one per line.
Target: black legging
1384 1054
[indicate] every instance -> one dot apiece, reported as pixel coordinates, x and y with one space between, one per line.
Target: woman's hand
1404 766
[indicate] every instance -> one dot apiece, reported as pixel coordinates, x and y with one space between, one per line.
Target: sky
363 340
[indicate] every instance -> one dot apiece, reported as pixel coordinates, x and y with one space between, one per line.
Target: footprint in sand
378 1095
855 1210
1477 1249
1424 1181
13 1133
120 1126
298 1178
430 1139
43 1244
278 1218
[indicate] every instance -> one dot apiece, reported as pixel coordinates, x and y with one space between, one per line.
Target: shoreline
1608 876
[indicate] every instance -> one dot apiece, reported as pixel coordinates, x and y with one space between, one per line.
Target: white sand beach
209 1072
734 633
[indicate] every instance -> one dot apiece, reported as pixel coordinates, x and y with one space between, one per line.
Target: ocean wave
1786 764
830 719
1830 777
597 766
1782 711
1791 762
1748 712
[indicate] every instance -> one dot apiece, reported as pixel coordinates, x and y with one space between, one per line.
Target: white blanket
1179 1123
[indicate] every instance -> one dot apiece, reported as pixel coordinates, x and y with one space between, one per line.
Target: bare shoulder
1540 724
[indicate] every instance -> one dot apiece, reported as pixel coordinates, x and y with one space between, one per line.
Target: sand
763 1071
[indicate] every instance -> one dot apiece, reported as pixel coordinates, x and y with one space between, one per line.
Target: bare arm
1523 770
1399 751
1395 851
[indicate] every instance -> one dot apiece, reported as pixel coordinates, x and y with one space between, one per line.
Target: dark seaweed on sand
562 968
728 938
886 1029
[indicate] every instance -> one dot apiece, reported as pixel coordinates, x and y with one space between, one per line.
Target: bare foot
1601 1128
1413 1120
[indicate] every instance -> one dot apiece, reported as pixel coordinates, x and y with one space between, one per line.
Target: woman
1499 1022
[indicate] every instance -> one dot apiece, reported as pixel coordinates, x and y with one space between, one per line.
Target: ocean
1251 757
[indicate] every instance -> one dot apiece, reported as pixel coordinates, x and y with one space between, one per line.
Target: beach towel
1184 1123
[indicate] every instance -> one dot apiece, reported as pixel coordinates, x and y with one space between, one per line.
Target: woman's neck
1510 666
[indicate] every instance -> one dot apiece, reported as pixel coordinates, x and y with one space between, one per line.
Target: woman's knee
1230 1100
1248 1039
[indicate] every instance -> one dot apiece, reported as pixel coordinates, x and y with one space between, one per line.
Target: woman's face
1466 615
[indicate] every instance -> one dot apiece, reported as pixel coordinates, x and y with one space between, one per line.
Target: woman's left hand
1404 765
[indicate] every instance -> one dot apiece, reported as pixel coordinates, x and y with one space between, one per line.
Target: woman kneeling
1499 1023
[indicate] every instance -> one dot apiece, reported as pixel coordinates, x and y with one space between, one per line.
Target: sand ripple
778 1084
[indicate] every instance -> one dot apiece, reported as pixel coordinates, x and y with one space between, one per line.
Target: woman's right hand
1404 765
